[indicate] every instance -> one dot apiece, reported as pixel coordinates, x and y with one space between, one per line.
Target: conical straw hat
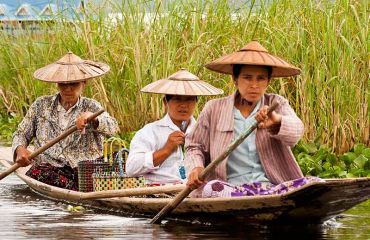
71 68
253 54
182 83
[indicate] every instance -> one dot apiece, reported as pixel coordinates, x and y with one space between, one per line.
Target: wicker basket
87 168
116 180
101 165
113 181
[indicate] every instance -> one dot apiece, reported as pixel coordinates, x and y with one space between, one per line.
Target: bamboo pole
184 193
38 151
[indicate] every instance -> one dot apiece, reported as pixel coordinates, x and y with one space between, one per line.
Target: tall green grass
328 40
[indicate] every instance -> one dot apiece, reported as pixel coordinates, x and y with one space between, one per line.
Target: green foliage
8 125
127 137
327 39
319 160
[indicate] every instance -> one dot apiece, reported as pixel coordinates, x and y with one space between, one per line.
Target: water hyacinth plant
317 160
144 41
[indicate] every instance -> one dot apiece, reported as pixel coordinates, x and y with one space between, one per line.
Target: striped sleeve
291 128
197 142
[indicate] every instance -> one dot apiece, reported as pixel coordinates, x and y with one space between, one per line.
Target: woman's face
252 82
70 92
181 108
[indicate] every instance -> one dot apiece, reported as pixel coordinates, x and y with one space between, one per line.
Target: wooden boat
313 203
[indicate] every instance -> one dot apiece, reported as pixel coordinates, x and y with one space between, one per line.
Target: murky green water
26 215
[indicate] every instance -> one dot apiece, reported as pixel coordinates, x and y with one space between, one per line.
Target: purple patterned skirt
63 177
217 188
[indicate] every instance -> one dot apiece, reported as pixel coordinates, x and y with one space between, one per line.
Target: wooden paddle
63 135
184 193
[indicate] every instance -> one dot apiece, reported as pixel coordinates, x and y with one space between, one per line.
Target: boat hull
313 203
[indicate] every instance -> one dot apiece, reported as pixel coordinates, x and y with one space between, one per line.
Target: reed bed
148 40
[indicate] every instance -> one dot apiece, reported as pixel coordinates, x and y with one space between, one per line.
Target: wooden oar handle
273 106
171 205
67 132
184 193
8 171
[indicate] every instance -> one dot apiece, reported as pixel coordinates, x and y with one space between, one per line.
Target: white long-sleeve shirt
148 140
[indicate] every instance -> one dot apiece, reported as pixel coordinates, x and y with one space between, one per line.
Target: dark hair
168 97
238 67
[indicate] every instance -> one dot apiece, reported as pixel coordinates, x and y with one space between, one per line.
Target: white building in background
29 14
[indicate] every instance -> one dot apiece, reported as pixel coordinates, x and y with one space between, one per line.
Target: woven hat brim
280 68
67 73
184 88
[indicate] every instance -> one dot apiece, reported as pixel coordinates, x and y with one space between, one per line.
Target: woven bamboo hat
182 83
71 68
253 54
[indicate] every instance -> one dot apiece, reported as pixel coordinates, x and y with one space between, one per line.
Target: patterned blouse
41 124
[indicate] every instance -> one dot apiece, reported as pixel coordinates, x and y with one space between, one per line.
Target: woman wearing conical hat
156 149
49 116
265 156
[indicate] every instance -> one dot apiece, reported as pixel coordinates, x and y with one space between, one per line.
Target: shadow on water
26 215
345 226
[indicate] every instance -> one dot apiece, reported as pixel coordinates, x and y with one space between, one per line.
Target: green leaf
366 152
323 150
342 174
311 170
303 148
309 159
350 175
351 156
328 174
311 148
367 165
339 172
358 148
337 169
301 156
318 168
304 169
319 157
357 172
360 161
331 158
327 166
347 159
